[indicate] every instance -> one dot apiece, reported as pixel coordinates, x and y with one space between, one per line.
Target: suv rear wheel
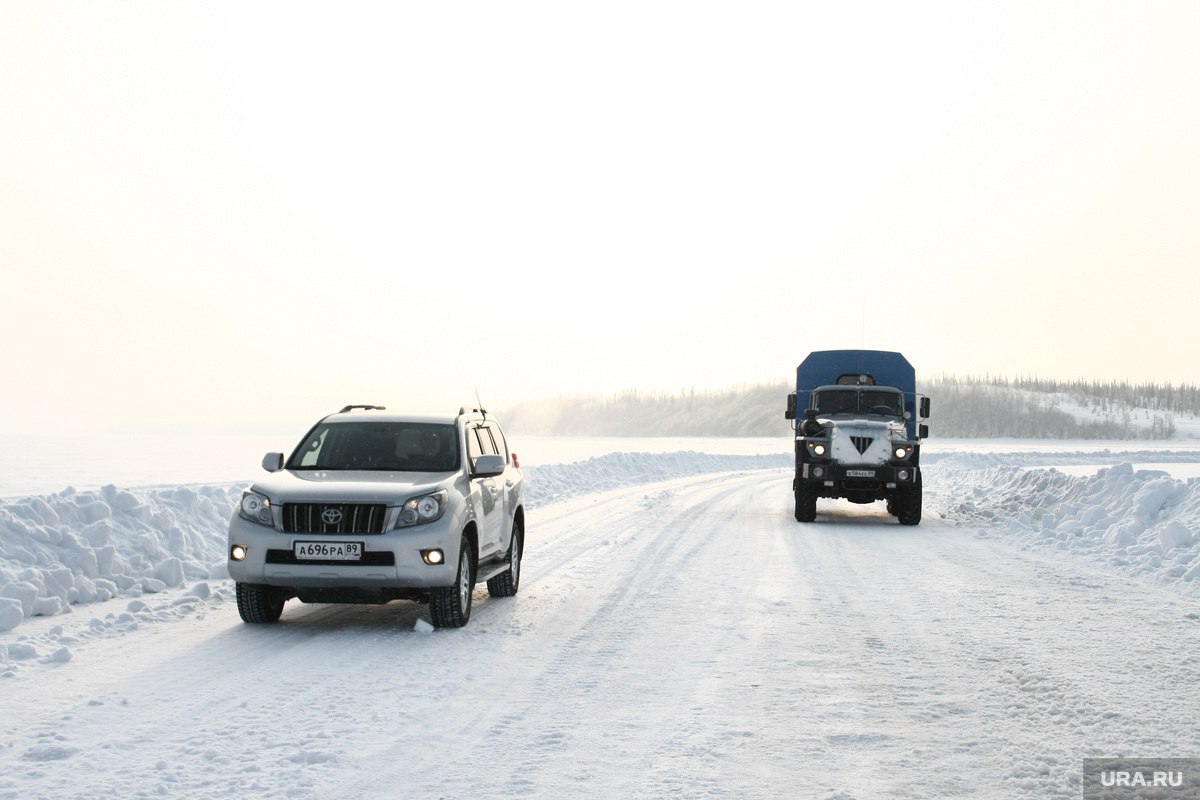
507 583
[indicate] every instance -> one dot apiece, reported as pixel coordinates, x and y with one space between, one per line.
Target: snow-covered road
679 639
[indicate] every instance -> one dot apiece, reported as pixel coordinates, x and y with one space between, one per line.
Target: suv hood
347 486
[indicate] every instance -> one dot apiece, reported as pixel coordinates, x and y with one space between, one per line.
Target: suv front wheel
259 603
450 606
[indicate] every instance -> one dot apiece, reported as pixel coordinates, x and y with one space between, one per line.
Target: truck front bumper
829 474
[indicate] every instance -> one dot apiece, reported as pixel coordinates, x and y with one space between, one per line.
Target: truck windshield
858 401
386 446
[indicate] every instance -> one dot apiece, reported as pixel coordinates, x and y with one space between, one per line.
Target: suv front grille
349 518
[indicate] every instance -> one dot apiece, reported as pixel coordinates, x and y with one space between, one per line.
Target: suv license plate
860 473
328 551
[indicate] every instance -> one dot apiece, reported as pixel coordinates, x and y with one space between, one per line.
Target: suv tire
260 604
450 606
507 583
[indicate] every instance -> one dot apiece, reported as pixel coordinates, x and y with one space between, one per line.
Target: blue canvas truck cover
824 367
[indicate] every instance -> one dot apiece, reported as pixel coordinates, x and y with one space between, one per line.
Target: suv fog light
433 557
237 553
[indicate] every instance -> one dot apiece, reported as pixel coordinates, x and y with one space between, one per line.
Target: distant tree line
743 411
971 407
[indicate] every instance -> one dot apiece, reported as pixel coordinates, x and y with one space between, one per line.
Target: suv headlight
256 508
426 508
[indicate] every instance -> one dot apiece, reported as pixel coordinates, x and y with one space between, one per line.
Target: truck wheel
450 606
260 604
806 503
908 504
507 583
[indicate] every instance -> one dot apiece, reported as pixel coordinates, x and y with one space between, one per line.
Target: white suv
374 506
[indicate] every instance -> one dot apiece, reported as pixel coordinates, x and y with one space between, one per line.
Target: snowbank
67 549
1139 522
76 547
72 548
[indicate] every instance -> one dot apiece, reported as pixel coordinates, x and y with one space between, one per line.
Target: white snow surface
677 634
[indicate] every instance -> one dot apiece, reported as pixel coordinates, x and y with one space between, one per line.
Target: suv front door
490 514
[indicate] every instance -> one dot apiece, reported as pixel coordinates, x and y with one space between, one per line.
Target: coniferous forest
971 407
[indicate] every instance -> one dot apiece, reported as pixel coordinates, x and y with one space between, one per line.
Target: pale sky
244 215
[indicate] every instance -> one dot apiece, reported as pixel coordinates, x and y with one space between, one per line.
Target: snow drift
76 547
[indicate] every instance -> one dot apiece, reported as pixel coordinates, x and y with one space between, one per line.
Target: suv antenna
479 403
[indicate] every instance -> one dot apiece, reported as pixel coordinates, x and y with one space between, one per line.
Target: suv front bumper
392 560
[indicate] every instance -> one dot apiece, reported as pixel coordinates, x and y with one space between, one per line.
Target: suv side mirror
790 413
272 462
488 466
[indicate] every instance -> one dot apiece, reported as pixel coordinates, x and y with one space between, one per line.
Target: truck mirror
924 408
790 413
923 431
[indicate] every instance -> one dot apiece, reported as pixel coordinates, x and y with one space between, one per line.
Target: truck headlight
256 508
818 449
902 452
426 508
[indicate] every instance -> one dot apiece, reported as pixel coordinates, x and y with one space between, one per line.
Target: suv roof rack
469 410
364 408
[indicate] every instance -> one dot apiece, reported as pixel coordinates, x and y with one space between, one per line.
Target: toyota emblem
331 516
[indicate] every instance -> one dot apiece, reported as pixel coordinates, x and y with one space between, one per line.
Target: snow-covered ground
677 634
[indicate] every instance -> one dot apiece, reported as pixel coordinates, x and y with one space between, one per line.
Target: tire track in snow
949 635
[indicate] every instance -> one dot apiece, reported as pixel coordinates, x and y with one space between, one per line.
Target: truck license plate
328 551
860 473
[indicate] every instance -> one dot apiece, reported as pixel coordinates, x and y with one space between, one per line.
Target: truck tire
908 504
806 502
450 606
260 604
507 583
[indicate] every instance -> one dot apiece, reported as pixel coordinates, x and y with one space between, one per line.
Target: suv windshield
858 401
389 446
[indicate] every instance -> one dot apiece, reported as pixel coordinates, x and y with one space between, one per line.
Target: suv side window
480 443
498 439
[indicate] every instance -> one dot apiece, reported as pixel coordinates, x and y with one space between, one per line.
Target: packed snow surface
677 634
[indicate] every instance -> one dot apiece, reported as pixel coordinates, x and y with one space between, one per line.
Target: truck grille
861 443
349 518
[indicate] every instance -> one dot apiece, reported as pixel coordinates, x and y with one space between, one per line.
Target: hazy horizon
232 215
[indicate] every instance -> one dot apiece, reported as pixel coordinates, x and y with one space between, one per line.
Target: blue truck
859 424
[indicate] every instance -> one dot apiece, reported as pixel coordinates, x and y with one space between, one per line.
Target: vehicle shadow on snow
397 616
873 514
